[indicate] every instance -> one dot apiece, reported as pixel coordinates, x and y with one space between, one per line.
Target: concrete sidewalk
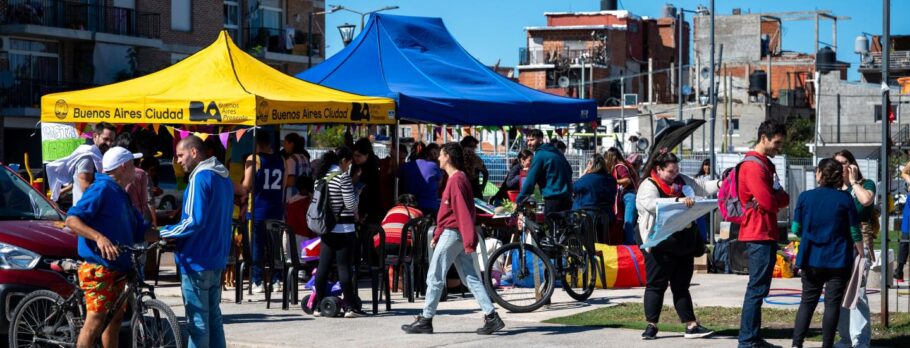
252 325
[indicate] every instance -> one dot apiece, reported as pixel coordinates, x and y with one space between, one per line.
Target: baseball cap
116 157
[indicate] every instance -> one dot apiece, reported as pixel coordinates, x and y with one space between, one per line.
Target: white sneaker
317 313
354 313
258 289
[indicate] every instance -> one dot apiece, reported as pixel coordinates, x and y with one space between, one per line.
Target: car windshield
19 201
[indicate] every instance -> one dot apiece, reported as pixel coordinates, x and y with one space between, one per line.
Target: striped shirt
394 222
344 200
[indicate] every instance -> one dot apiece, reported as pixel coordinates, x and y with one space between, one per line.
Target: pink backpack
731 208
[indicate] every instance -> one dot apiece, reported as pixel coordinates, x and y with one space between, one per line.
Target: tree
330 137
800 132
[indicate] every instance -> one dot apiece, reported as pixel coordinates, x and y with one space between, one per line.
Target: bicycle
521 276
45 319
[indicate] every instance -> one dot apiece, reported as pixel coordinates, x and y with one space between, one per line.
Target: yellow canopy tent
219 85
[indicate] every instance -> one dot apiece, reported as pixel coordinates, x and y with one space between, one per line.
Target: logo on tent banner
199 113
360 112
262 111
584 113
61 109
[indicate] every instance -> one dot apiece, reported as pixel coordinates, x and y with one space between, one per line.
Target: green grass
778 323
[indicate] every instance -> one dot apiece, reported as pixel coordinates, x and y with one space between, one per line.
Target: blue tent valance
417 62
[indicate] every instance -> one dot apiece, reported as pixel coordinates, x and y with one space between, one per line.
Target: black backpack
320 218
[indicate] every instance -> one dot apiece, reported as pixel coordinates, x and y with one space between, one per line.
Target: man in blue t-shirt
203 238
264 176
104 219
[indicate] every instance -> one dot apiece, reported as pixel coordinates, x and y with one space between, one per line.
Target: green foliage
330 137
800 132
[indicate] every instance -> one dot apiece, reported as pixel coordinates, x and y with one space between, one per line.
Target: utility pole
886 56
679 79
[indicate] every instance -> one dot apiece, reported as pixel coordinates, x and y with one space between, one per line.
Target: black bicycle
521 276
45 319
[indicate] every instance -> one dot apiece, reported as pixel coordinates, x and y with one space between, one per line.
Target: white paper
673 217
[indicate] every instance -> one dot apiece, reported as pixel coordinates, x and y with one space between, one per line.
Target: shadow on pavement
548 330
260 318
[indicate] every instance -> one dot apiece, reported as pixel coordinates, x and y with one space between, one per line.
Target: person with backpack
454 240
762 196
854 325
596 192
670 263
827 222
339 242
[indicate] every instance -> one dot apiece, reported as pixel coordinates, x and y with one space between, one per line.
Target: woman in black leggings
827 222
339 245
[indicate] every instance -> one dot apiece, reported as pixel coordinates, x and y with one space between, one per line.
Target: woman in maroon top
454 241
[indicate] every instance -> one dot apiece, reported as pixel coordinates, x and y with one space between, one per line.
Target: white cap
116 157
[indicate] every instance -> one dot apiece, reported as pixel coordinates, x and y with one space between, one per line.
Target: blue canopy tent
417 62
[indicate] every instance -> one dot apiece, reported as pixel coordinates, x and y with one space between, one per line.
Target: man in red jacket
759 184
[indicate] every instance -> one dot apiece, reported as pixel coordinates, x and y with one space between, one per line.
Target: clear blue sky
494 29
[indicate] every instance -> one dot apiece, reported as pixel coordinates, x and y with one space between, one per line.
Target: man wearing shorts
104 219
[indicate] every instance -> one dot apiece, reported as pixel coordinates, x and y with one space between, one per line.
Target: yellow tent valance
221 85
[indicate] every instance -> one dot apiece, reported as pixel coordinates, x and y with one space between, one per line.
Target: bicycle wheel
38 321
519 286
579 272
157 327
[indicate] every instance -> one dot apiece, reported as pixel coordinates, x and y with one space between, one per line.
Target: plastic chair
384 287
287 254
274 260
241 267
419 259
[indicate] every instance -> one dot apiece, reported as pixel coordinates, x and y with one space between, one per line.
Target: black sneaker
761 343
491 323
650 332
420 325
698 331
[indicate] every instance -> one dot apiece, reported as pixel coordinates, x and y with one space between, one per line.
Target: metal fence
81 16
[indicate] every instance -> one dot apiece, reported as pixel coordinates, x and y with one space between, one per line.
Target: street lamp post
347 32
363 15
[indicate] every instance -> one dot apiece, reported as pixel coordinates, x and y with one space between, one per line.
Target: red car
31 236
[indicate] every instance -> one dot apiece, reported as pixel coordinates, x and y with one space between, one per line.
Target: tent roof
416 61
221 84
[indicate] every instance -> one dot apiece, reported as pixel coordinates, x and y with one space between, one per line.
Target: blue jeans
450 250
762 256
202 299
629 219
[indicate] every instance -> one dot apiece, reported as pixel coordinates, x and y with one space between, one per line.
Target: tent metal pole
886 56
397 155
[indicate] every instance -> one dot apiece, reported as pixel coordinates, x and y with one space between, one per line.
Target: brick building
607 44
50 46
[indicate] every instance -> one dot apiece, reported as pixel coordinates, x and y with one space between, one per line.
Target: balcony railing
81 16
866 133
561 56
277 40
898 60
26 93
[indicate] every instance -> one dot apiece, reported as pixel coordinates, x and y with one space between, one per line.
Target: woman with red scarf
672 262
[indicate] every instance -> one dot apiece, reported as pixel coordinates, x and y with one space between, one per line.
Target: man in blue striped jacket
203 238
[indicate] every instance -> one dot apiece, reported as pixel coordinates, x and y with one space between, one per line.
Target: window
181 15
232 18
269 15
33 60
406 132
734 126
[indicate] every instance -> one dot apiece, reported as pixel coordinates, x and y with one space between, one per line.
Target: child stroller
331 305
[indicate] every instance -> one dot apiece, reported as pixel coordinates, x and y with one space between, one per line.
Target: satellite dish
705 72
642 144
563 82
